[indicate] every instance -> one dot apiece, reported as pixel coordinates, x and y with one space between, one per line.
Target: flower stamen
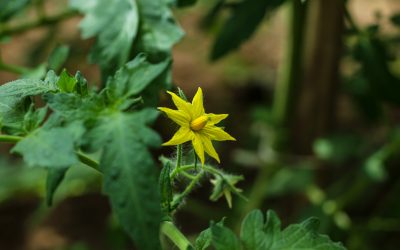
199 123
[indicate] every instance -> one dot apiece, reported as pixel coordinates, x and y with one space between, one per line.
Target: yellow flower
196 125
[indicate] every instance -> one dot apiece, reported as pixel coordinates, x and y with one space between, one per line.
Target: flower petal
216 133
209 148
216 118
181 104
183 135
197 103
180 117
198 147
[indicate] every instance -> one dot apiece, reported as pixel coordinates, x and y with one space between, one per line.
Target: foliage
255 234
61 122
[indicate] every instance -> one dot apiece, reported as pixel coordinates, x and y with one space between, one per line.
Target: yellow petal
216 133
214 118
181 118
198 147
209 148
181 104
183 135
197 103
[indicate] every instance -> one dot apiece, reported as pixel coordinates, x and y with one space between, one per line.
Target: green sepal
166 188
66 83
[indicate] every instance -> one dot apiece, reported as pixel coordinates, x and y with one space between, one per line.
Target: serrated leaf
129 173
26 87
72 106
58 57
134 77
12 111
114 25
223 238
51 147
33 118
204 239
9 8
244 20
252 234
54 177
297 236
158 29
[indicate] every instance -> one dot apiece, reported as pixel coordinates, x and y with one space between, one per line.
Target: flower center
199 123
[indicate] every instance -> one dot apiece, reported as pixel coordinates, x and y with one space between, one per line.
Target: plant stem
179 198
184 168
178 156
10 138
85 159
44 21
13 68
289 76
176 236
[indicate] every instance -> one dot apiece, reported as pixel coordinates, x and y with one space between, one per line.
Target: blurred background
313 92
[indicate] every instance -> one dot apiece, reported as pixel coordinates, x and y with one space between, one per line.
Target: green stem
85 159
179 198
13 68
184 168
178 156
284 99
10 138
81 156
7 31
176 236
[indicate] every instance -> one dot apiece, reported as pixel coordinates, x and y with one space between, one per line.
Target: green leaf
242 23
35 73
158 29
72 106
9 8
33 118
223 238
51 147
58 57
54 177
204 239
26 87
130 173
12 111
297 236
66 83
134 77
252 234
115 27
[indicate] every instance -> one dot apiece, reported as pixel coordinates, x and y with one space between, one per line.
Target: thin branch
45 21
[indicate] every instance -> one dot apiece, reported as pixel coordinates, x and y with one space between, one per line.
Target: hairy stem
175 235
178 156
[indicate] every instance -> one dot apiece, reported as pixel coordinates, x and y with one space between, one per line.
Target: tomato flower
196 125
